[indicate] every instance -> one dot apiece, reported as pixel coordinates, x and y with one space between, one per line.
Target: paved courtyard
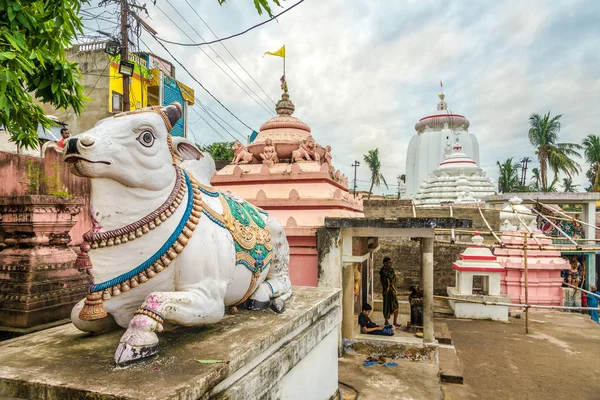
558 359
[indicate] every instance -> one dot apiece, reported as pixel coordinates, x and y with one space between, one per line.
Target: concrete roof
403 223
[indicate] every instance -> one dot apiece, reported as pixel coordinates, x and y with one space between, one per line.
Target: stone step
451 370
442 309
442 333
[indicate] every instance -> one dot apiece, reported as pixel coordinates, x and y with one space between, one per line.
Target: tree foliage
568 185
591 151
508 178
33 37
374 164
261 5
535 177
219 151
543 134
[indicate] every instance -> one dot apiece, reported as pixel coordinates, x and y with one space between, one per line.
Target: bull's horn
173 111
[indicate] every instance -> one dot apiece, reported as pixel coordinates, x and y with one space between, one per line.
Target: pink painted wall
543 267
12 171
303 260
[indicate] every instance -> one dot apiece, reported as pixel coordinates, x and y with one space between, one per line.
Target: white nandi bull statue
167 248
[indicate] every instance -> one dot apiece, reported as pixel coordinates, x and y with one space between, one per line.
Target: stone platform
479 311
265 355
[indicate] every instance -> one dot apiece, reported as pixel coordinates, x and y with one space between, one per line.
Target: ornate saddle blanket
252 239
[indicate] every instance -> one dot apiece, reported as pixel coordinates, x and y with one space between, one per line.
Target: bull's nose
86 141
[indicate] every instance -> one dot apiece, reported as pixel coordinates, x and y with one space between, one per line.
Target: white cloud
361 73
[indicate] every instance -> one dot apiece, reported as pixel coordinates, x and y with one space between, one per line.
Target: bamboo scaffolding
557 218
525 225
484 233
560 212
583 290
549 248
497 303
557 227
472 232
490 228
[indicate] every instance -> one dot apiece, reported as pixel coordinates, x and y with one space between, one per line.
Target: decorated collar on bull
251 238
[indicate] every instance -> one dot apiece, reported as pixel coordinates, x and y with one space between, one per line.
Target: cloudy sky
362 72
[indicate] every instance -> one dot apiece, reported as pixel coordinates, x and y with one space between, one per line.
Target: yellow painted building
138 88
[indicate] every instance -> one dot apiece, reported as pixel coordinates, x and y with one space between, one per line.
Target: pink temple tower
290 175
544 266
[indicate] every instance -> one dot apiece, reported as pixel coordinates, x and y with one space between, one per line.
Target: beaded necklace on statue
99 292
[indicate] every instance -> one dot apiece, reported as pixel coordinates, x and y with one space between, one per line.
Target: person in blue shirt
592 301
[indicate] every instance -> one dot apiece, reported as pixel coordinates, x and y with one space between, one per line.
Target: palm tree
543 134
372 160
569 186
535 176
509 175
591 146
553 186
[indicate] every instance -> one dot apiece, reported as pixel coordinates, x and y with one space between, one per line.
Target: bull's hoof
136 347
278 305
255 305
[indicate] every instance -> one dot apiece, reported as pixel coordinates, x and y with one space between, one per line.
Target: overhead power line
198 82
217 115
208 123
226 49
211 59
203 107
228 37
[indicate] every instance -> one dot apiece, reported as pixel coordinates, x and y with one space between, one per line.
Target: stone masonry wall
406 253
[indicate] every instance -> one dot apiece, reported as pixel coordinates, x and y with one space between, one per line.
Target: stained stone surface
63 362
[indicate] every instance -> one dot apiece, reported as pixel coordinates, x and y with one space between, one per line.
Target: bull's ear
185 149
173 111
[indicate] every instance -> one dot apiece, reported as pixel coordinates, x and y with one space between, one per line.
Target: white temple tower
427 149
457 180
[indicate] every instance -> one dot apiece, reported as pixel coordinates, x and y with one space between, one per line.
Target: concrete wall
406 253
12 171
403 209
94 66
406 260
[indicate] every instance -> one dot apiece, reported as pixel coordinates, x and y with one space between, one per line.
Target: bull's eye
146 138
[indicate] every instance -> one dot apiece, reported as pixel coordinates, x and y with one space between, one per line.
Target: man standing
64 132
388 286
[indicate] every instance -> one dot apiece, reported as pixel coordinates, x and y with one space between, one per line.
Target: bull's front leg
193 306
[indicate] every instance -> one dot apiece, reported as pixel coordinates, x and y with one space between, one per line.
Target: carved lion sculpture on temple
241 155
307 151
167 248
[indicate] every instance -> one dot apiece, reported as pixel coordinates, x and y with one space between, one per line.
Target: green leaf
7 55
210 361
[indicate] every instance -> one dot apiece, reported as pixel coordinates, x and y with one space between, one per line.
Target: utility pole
355 164
125 52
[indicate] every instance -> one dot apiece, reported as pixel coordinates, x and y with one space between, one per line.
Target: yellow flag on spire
278 53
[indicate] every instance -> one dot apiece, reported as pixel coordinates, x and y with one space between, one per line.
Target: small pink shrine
478 262
288 174
543 266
